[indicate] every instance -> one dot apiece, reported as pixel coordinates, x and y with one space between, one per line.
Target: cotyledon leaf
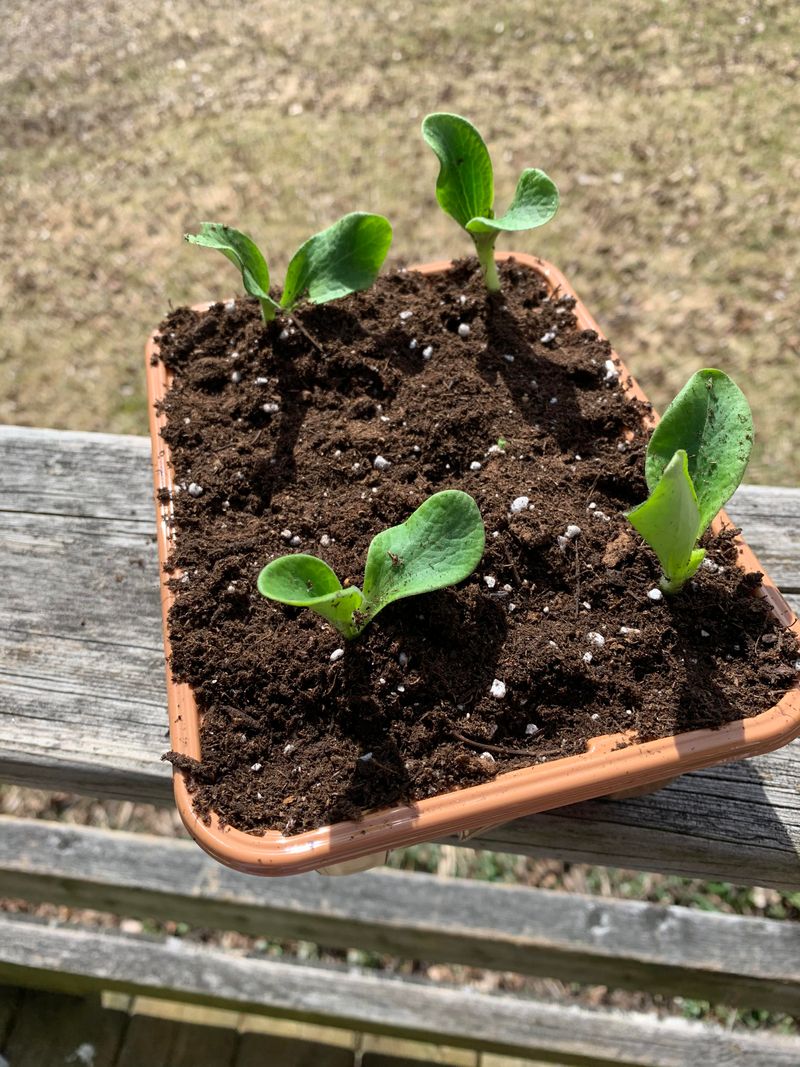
711 421
669 521
440 544
242 251
341 259
465 185
304 581
535 203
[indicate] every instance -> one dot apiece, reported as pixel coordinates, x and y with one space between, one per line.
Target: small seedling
340 260
465 189
696 459
440 544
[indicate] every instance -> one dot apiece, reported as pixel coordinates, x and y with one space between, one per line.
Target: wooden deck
39 1029
82 675
82 710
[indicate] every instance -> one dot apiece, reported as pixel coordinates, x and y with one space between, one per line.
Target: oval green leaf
711 421
245 254
342 259
465 185
669 521
535 203
308 582
440 544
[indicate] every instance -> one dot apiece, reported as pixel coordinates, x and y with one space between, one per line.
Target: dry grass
672 130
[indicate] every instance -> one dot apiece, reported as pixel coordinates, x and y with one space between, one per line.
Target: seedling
440 544
696 459
340 260
465 189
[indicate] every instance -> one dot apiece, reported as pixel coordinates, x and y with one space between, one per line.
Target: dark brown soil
292 740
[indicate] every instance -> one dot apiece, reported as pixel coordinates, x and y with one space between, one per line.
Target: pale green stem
484 245
671 585
268 310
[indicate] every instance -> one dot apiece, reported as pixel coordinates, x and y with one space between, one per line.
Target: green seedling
340 260
696 459
440 544
465 189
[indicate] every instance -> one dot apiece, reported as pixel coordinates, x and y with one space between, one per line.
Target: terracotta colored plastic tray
603 769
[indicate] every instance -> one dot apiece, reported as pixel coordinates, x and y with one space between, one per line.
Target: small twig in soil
590 494
484 747
513 567
577 581
296 322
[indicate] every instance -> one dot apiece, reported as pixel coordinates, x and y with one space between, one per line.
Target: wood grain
625 944
10 1000
35 954
170 1043
51 1031
261 1050
82 691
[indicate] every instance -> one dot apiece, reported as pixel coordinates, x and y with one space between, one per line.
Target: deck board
82 689
51 1031
628 944
34 954
159 1042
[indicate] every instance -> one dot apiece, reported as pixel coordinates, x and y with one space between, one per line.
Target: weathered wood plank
624 944
490 1059
770 519
88 475
10 999
80 648
386 1059
293 1030
82 692
418 1053
50 1031
739 822
260 1050
160 1042
37 955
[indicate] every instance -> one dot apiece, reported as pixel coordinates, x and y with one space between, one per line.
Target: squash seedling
342 259
465 189
696 459
440 544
